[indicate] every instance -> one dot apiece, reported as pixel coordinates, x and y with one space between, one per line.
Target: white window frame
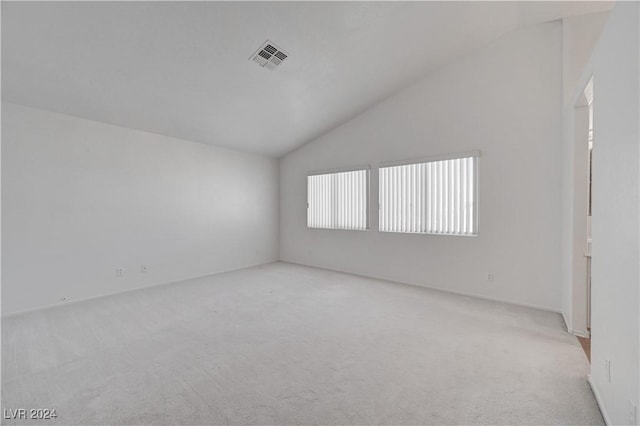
366 168
476 202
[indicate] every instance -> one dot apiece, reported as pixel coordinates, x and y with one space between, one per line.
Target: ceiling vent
269 56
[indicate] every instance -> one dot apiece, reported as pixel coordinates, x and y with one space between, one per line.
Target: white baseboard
568 329
584 334
599 401
444 290
565 322
132 289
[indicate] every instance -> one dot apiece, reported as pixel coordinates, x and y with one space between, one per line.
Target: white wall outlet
119 272
144 269
490 276
633 413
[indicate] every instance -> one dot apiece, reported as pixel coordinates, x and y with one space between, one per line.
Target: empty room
320 213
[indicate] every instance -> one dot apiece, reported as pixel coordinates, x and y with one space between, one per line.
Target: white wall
82 198
579 36
505 100
616 214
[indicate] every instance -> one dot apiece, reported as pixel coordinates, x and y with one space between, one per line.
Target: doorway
583 176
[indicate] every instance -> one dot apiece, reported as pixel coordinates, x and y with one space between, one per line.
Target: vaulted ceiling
183 69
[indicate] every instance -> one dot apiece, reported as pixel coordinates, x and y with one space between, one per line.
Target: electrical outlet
119 272
490 276
633 413
144 269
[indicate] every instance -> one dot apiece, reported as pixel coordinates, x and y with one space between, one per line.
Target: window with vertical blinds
435 197
338 200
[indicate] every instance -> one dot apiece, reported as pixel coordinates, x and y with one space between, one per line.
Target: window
338 200
433 197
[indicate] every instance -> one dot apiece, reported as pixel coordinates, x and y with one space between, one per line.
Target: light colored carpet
287 344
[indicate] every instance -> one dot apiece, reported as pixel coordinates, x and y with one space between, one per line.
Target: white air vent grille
269 55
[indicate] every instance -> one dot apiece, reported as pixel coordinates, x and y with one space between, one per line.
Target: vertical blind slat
337 200
470 191
434 197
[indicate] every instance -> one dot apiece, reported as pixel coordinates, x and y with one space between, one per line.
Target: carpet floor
288 344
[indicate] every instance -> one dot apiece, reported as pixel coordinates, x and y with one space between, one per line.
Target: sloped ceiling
182 69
